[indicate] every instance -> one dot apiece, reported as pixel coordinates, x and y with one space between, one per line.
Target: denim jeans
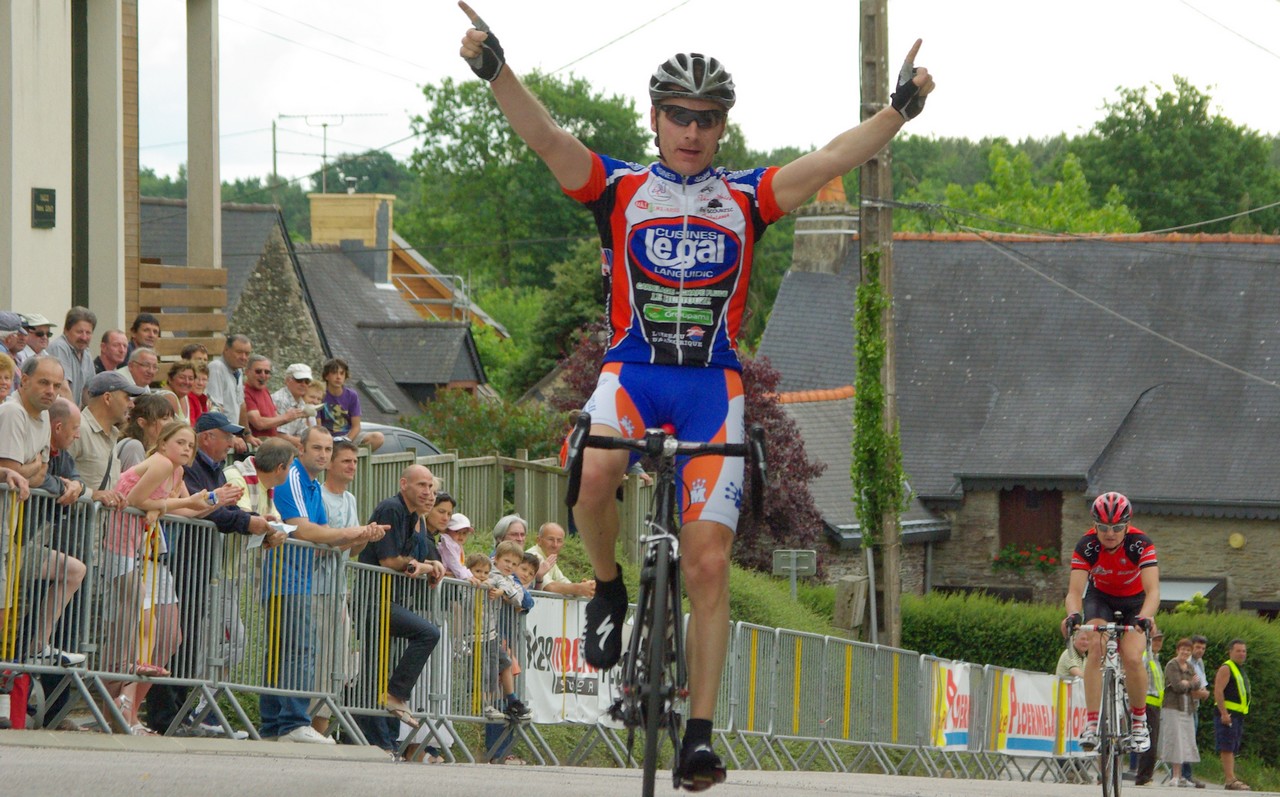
295 668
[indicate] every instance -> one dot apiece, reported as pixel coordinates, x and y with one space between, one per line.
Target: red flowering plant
1017 557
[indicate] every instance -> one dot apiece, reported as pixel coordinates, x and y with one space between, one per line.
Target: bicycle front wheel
655 695
1109 729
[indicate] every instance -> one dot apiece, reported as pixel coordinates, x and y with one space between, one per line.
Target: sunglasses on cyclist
683 117
1101 527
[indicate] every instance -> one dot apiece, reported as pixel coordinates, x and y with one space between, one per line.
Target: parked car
399 439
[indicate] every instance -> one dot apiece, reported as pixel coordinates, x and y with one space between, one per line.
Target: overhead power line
320 50
338 36
1231 30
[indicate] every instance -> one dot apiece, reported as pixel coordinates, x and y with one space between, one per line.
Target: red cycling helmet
1112 508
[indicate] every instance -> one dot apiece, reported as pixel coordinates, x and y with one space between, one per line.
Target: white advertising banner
1071 716
1028 721
559 684
951 705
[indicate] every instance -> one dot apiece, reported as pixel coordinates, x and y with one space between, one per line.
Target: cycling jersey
676 257
1115 572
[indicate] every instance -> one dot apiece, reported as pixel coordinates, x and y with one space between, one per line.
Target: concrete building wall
106 175
35 152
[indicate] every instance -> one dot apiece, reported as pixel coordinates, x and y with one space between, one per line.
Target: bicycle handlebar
660 443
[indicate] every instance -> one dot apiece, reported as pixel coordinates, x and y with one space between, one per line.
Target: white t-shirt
23 438
343 514
226 388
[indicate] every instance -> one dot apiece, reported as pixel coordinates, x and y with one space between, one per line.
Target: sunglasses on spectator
1113 527
683 117
261 371
38 333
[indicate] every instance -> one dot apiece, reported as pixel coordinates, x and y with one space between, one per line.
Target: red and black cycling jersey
1117 572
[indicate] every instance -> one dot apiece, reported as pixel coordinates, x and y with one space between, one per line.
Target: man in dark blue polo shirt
286 586
407 548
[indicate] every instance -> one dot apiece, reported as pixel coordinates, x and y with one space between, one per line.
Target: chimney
825 230
360 224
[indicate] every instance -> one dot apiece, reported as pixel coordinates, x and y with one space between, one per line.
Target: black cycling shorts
1099 605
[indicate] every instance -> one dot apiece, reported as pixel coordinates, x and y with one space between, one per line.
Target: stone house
1034 374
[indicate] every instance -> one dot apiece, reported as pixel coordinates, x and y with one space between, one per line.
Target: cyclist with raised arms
677 239
1114 569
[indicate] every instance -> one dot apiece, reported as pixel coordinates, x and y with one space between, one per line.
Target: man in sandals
1231 695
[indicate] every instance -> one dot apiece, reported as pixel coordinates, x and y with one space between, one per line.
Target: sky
1013 68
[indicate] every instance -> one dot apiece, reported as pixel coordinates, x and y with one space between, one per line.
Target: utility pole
876 232
275 172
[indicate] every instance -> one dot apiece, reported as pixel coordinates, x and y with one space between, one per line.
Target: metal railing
178 604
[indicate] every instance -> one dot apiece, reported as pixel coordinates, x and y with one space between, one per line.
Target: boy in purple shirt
341 413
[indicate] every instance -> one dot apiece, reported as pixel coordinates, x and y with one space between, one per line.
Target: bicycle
654 680
1114 730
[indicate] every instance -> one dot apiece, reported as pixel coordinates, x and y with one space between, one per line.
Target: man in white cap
292 396
39 329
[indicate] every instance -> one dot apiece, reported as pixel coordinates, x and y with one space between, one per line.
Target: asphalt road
108 766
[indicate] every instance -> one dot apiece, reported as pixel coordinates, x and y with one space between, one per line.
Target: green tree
931 164
1013 194
163 186
1178 162
376 172
489 204
288 195
457 420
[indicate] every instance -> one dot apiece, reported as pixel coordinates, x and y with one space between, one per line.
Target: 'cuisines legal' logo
673 253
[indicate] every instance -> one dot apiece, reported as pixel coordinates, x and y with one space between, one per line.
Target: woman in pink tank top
146 632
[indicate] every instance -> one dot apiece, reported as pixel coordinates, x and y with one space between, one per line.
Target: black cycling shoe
700 768
605 615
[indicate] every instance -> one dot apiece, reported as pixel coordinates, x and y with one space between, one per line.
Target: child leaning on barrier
504 599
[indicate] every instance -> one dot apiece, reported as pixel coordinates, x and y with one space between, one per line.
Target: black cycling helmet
1112 508
692 76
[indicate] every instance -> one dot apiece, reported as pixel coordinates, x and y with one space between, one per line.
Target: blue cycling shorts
703 404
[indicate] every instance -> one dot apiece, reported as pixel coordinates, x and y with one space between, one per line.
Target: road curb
82 740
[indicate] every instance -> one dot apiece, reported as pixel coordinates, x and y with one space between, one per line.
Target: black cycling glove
1145 624
907 100
488 65
1073 621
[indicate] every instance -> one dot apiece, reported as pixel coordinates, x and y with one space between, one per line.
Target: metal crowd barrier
175 604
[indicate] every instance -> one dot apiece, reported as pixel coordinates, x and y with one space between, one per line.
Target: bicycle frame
654 680
1114 732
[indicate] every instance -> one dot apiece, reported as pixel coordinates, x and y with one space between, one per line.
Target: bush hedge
984 630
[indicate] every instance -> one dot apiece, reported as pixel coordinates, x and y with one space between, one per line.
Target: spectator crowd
202 436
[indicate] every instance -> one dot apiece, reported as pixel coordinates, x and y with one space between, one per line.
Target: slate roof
825 420
1067 362
378 333
245 232
426 352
